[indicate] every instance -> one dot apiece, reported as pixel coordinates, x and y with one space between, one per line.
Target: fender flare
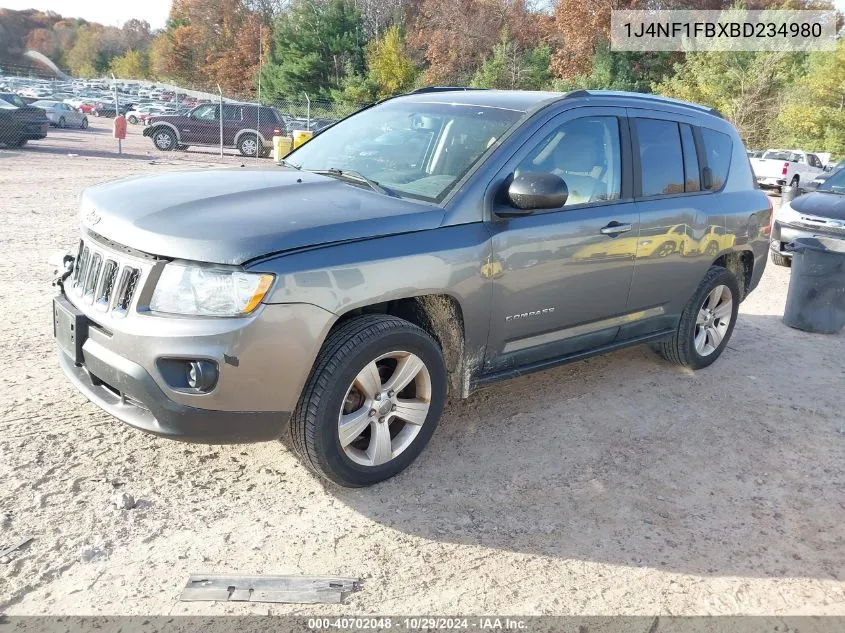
163 124
248 130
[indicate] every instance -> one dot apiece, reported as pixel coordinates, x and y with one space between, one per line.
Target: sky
116 12
109 12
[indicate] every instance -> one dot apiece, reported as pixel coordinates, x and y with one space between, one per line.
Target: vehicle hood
230 216
819 203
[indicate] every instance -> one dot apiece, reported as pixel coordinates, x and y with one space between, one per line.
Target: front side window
661 157
411 148
205 113
586 154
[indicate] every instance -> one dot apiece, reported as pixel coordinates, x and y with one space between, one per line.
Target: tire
250 146
780 260
96 113
84 125
164 139
712 249
664 250
794 182
681 347
133 120
332 390
18 142
62 123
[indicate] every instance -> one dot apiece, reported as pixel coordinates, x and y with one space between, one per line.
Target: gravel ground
617 485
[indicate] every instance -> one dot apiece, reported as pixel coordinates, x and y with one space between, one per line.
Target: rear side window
692 180
661 157
717 151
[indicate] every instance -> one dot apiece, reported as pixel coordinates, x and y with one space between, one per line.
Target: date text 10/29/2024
418 623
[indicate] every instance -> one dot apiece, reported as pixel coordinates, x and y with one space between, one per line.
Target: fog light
202 375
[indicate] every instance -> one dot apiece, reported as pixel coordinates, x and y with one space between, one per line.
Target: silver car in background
61 114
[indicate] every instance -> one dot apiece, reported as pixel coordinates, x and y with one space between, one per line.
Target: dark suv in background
341 295
248 128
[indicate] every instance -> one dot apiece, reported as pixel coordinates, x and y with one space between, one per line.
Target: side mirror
536 190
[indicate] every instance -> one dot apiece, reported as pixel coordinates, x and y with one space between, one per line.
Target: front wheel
85 123
133 119
372 401
164 139
780 260
707 322
62 123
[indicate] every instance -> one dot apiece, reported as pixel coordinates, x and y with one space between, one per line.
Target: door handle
614 228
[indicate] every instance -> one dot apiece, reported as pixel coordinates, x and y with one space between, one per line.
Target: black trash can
816 298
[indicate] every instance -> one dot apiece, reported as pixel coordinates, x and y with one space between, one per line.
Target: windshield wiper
287 163
355 176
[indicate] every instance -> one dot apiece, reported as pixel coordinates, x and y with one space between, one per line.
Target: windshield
834 184
417 150
13 99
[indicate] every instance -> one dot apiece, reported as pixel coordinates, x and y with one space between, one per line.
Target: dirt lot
618 485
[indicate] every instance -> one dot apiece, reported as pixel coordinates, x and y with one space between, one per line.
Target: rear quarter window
717 150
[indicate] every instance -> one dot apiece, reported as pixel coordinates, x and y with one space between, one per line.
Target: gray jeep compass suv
433 243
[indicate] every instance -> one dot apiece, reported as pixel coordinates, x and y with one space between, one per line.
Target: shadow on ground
629 460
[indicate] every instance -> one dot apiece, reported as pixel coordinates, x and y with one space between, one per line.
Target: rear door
562 276
673 190
233 122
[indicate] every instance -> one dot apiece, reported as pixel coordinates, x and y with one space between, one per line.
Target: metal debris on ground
8 550
292 589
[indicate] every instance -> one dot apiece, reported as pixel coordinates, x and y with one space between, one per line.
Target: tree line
356 51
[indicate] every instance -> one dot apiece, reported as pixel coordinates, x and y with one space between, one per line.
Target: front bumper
783 234
126 391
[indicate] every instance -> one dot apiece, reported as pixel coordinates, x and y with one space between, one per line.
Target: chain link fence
35 106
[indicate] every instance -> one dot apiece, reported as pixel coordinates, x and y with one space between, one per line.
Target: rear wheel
780 260
62 123
18 142
249 145
164 139
372 401
707 322
133 119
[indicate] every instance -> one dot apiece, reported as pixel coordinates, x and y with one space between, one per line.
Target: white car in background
781 167
61 114
135 115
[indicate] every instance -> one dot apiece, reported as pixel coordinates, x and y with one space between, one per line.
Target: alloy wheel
385 408
713 320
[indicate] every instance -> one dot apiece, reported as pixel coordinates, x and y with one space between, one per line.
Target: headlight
202 291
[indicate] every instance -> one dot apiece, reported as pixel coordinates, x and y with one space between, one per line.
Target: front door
202 126
563 275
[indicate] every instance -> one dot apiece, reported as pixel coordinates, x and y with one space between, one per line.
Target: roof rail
441 89
640 96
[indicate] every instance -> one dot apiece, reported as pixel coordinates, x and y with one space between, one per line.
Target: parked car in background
778 168
248 128
338 299
107 109
829 171
140 112
18 125
61 115
820 213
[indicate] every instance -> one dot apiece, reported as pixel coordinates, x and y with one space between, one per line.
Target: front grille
128 282
100 277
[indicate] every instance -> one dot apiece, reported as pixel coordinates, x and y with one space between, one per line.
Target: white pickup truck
779 167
